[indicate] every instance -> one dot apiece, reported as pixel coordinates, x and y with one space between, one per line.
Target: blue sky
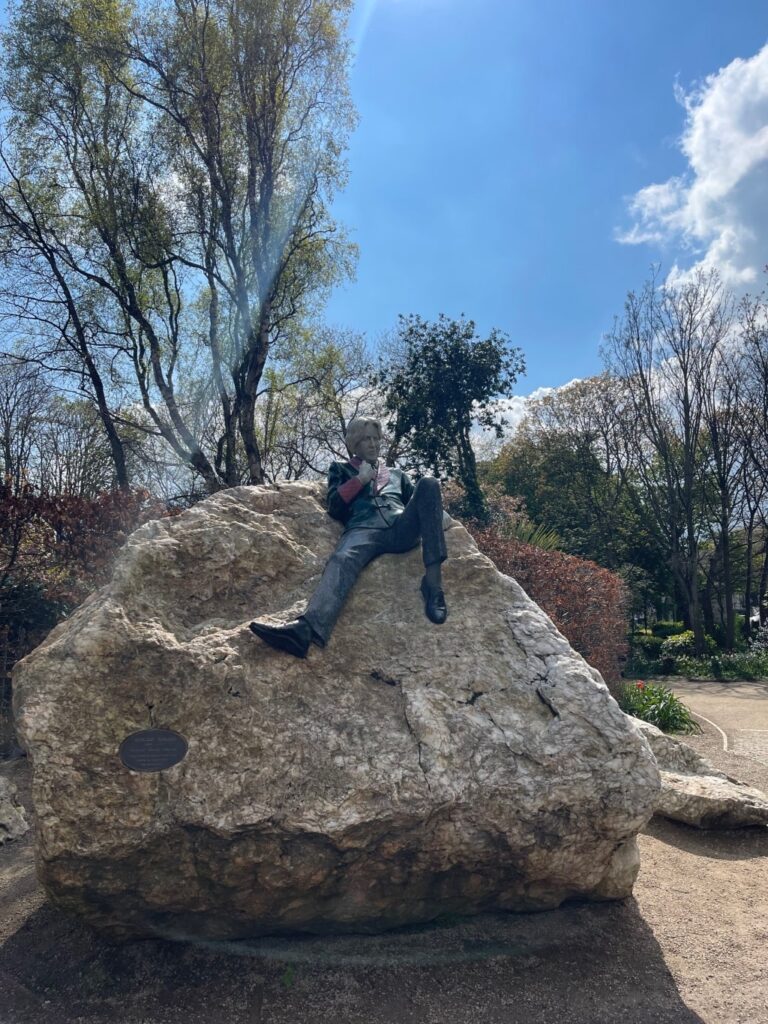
526 162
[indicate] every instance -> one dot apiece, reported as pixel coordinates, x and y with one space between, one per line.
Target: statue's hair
356 428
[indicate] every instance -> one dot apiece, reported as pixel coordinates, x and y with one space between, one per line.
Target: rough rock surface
694 792
405 771
13 819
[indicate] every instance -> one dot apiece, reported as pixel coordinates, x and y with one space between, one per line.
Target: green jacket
356 507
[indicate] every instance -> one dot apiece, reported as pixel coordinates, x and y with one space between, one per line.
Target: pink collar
382 475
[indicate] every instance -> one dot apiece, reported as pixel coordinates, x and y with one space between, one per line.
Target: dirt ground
689 947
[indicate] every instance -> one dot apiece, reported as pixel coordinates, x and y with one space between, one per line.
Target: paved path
738 709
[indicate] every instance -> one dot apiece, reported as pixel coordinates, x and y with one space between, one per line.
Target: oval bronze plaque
152 750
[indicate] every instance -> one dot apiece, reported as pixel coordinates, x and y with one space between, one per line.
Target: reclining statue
382 513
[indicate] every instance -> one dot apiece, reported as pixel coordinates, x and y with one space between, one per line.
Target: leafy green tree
564 487
753 329
666 349
568 462
448 381
23 393
168 170
321 382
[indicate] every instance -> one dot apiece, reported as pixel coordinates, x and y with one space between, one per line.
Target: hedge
588 604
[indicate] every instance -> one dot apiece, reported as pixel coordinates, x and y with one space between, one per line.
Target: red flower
640 684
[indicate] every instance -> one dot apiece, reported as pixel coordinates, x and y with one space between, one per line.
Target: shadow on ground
718 844
580 964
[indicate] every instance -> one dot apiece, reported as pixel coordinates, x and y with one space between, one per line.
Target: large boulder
405 771
694 792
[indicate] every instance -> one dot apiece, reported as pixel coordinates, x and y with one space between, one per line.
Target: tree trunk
707 602
692 582
477 507
748 579
116 447
730 612
763 583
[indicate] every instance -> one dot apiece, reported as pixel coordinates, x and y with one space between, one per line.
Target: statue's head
363 438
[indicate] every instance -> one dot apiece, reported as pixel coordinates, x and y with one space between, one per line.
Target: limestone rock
13 819
694 792
405 771
673 754
708 801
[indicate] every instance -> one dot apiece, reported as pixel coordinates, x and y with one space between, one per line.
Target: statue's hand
366 473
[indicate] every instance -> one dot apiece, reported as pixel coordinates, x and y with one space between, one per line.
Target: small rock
694 792
13 819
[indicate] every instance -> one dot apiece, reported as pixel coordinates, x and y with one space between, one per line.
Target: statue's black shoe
435 607
294 637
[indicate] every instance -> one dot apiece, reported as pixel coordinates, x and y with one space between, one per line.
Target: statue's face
367 447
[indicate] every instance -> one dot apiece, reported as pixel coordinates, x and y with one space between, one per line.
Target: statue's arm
343 488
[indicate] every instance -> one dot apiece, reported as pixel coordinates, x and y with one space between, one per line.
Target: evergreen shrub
638 664
719 633
649 645
665 628
676 646
759 641
739 665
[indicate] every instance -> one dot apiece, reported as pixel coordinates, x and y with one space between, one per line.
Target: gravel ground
689 947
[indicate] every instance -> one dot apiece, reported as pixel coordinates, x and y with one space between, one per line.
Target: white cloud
717 212
484 440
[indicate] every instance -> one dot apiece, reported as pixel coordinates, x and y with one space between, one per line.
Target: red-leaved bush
64 544
587 603
54 551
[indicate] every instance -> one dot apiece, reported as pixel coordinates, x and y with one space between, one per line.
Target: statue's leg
423 517
353 552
